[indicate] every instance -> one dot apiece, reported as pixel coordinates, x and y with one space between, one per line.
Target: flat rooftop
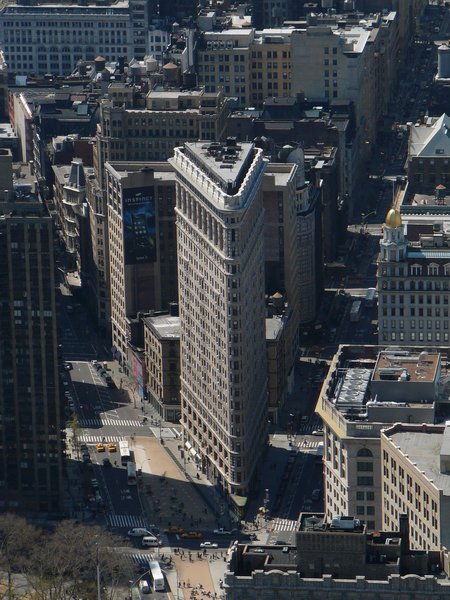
225 163
424 449
165 326
405 366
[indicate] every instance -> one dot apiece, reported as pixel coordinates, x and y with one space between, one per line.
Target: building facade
413 287
31 446
415 462
52 38
366 390
220 223
162 361
142 244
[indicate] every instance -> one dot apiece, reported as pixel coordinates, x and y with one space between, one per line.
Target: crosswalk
309 445
105 421
126 521
285 525
96 439
139 558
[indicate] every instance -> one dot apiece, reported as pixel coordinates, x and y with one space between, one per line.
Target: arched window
364 452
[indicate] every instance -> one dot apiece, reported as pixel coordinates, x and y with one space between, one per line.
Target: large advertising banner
139 226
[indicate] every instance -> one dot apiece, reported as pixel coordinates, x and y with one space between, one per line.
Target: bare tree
16 538
66 566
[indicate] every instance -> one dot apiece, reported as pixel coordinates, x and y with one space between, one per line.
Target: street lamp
364 218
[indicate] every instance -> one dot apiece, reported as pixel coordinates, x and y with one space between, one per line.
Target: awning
188 445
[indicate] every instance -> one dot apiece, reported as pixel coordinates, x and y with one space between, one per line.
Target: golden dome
393 218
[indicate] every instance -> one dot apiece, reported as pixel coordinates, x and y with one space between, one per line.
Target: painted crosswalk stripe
126 521
107 422
138 558
285 525
95 439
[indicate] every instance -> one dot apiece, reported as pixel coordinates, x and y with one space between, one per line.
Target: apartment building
416 481
270 65
366 390
220 222
141 243
52 37
224 61
412 280
31 446
162 362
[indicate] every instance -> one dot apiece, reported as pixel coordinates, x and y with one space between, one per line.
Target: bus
158 583
124 450
371 295
355 311
131 473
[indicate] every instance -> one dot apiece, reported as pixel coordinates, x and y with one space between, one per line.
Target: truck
355 311
371 295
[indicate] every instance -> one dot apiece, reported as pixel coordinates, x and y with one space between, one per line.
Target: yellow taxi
174 529
100 447
192 535
112 448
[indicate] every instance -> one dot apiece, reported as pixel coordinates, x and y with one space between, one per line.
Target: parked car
209 545
67 366
222 531
139 532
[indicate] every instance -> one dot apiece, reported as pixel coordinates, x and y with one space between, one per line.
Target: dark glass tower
30 406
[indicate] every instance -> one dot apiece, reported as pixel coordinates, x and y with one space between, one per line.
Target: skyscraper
222 315
30 408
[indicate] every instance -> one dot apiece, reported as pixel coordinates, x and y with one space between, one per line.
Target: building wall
270 69
221 295
284 586
137 285
30 403
406 489
162 358
413 294
51 39
224 63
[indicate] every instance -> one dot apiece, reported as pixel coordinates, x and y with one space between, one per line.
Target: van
144 586
150 541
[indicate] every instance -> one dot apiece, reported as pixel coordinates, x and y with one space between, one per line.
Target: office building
365 391
31 445
220 221
416 480
148 126
162 361
338 558
413 288
52 37
3 86
141 243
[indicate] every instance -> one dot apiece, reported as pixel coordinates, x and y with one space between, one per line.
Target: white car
317 432
209 545
139 532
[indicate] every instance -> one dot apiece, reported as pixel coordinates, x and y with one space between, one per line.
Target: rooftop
166 327
422 445
225 163
399 366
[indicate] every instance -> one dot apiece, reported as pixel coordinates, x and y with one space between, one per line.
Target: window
364 452
364 466
365 481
